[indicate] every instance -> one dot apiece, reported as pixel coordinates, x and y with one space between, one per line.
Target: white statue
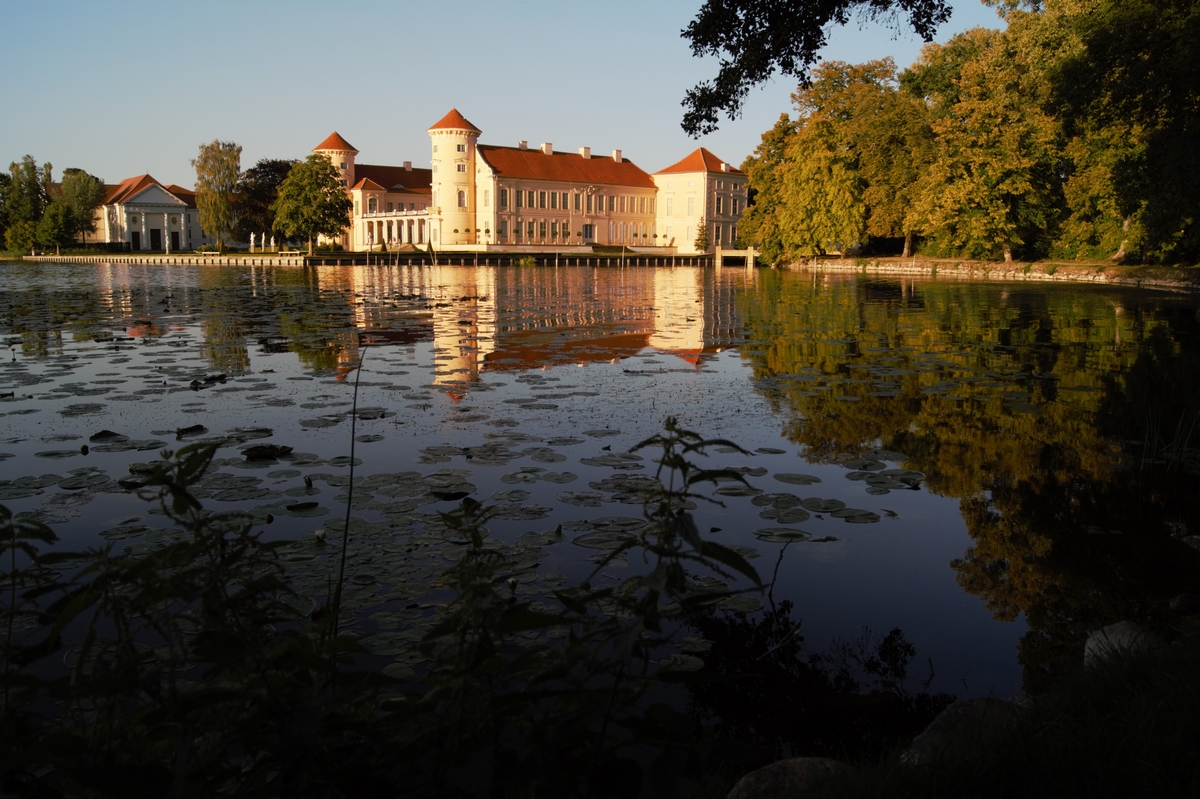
272 242
251 242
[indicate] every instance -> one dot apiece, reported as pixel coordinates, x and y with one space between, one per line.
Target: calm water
1011 465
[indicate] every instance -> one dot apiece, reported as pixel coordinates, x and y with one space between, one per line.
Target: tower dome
341 153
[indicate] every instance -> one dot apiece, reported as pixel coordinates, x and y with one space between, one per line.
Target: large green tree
82 194
28 193
57 226
256 193
1135 77
993 187
5 182
218 167
312 201
761 225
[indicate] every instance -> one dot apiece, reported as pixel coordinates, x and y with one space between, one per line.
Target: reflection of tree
319 326
1023 405
221 322
775 696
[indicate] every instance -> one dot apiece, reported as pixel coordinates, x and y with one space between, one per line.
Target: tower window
462 167
462 148
343 166
462 199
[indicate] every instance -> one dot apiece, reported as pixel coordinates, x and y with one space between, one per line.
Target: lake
994 469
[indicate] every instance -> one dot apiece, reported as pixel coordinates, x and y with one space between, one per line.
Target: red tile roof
334 141
513 162
367 183
699 160
131 187
454 121
396 178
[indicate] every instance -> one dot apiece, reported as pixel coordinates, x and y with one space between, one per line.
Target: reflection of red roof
129 188
454 121
392 177
513 162
334 141
700 160
517 355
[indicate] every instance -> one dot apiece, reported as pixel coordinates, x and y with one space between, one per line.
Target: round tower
453 140
341 153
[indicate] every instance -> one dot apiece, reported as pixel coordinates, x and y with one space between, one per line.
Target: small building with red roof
146 215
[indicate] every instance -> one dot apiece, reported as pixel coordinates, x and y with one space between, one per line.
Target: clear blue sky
122 88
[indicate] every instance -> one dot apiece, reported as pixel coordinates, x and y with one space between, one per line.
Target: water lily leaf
344 460
57 453
741 604
781 535
544 455
516 495
797 479
738 491
615 460
16 492
582 499
560 478
368 439
40 481
818 505
604 539
106 436
601 433
83 481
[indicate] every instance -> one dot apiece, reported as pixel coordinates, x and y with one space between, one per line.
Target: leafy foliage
218 167
82 194
256 192
312 201
755 38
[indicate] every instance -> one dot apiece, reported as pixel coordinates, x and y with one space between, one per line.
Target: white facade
145 215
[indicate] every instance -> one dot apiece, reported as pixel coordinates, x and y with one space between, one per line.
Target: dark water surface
994 469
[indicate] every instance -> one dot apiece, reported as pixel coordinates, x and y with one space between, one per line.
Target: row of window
461 148
734 205
692 184
578 201
373 206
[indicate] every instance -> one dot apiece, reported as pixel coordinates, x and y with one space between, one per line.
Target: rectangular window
541 199
720 184
564 201
553 199
733 234
642 205
529 228
576 201
462 148
622 203
589 232
520 199
389 206
502 228
542 228
736 205
554 229
717 232
651 205
517 229
503 198
461 167
691 206
589 203
670 206
720 205
487 198
529 197
434 170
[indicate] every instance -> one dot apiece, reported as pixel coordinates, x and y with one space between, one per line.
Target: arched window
462 199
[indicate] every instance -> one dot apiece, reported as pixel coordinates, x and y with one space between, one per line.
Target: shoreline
1184 279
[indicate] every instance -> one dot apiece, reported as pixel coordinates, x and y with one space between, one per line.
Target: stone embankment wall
1160 277
249 260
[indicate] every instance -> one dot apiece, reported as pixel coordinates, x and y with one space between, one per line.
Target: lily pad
615 460
83 481
818 505
786 515
738 491
781 535
582 499
797 479
40 481
344 460
604 539
57 453
560 478
601 433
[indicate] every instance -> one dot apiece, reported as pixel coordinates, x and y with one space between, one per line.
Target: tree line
1068 135
300 200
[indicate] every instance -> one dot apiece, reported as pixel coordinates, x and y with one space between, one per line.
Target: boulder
785 778
1124 636
962 720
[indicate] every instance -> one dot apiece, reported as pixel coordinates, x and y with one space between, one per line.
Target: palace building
481 196
144 214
